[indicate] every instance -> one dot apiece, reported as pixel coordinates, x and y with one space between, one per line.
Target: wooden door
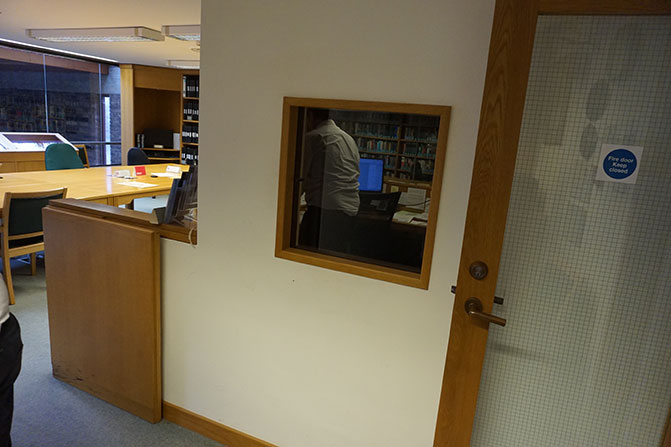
499 131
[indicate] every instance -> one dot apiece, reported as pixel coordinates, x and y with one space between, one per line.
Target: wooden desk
92 184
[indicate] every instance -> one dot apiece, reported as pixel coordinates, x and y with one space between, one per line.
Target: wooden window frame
283 248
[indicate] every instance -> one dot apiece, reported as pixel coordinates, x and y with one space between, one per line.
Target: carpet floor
50 413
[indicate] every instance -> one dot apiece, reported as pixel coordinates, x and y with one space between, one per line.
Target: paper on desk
421 217
414 197
166 174
138 184
404 216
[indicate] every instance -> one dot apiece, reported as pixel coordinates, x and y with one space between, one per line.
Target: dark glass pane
73 98
22 94
102 154
364 185
111 110
85 107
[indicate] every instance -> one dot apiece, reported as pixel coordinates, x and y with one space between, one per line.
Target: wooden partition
103 293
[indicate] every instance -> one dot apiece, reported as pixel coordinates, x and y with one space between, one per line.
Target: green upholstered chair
61 156
22 231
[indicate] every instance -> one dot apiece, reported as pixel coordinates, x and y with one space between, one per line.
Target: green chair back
61 156
25 217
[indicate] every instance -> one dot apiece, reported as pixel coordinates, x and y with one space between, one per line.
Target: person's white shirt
4 302
332 180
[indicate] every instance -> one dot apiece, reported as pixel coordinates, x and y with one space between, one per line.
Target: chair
61 156
136 156
22 228
378 205
83 154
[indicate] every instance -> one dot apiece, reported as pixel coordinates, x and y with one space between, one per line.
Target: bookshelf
190 118
406 143
152 98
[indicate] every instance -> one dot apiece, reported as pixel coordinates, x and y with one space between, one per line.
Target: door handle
474 309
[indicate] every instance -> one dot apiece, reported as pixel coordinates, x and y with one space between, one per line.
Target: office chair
137 156
378 205
61 156
83 154
22 231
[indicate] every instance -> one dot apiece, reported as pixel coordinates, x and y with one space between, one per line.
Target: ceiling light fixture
182 32
122 34
185 64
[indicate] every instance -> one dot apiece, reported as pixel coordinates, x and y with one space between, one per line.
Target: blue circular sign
620 164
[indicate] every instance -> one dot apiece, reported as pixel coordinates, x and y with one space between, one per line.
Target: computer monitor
371 172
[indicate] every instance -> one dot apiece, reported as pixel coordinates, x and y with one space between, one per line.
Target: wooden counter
103 275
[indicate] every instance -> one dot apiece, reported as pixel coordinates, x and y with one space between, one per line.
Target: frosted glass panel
585 359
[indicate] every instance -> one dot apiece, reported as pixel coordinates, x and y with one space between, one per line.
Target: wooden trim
75 64
127 112
287 185
27 56
354 267
370 106
605 7
157 78
209 428
123 215
39 58
439 166
287 174
506 78
500 122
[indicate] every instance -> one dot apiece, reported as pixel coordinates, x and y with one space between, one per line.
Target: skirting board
209 428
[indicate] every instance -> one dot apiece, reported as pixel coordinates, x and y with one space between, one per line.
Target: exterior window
360 185
79 99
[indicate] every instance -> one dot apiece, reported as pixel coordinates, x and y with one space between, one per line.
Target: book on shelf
191 86
190 133
190 112
190 155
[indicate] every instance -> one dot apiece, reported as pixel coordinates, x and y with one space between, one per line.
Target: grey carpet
50 413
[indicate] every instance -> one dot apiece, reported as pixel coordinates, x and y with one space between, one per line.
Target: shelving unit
190 118
151 98
406 143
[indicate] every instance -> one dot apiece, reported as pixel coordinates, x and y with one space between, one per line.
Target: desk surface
93 184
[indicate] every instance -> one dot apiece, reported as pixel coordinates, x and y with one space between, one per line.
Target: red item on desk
140 170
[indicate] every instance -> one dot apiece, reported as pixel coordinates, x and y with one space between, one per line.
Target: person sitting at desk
331 184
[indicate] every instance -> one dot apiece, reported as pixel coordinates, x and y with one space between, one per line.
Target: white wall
298 355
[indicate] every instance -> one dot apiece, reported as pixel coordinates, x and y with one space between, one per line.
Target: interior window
364 186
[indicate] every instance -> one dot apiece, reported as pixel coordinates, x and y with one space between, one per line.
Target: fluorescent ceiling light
55 50
182 32
123 34
187 64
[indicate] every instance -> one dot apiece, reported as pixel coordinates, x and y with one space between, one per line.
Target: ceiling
17 16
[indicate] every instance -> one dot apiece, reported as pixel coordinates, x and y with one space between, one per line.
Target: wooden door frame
511 45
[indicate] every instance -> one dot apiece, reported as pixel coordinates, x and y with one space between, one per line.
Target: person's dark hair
319 115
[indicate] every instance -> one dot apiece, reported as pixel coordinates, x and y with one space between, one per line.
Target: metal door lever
474 309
